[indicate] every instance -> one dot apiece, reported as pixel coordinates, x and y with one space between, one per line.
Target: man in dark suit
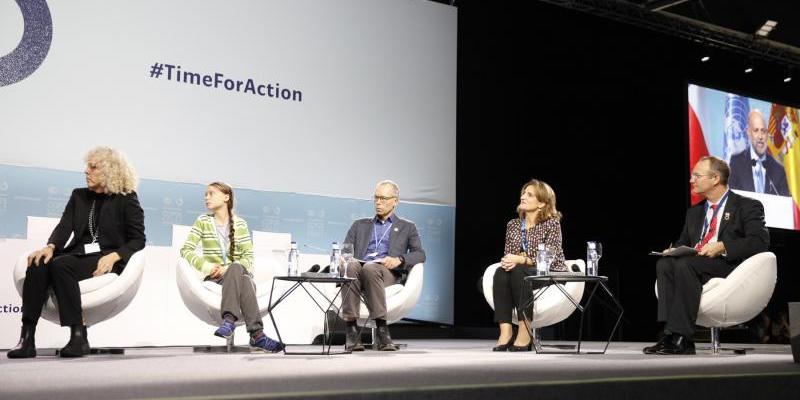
101 228
725 229
753 169
389 246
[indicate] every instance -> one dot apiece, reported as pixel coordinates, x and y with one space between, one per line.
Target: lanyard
523 235
375 235
714 215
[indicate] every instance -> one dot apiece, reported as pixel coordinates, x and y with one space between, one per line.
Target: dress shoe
504 347
78 345
527 347
353 339
26 348
679 345
659 345
384 340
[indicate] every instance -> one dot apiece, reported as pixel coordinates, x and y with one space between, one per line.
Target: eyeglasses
760 130
383 199
696 176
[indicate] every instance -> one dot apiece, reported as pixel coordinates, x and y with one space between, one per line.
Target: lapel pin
727 216
395 229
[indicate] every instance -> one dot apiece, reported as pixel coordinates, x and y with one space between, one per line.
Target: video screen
759 140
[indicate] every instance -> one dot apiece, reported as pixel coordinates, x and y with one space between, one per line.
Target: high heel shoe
527 347
504 347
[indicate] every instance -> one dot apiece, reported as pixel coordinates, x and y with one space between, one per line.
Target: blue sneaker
266 344
226 329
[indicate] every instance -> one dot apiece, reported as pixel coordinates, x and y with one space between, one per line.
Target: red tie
712 229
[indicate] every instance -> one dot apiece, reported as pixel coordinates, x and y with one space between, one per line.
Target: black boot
384 340
26 348
353 338
78 345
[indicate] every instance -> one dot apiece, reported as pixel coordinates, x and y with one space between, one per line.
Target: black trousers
510 291
62 273
680 284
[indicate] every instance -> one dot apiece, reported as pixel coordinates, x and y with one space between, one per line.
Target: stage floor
436 369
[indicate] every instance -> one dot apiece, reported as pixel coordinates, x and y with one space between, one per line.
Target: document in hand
676 252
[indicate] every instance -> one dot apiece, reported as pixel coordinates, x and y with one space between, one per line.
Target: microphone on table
317 268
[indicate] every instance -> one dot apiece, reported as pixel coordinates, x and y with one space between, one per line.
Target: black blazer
404 241
121 226
742 175
741 227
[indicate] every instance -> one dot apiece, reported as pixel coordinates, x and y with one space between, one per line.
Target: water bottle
294 261
542 260
591 259
336 257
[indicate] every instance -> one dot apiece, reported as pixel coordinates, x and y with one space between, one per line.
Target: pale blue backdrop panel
314 221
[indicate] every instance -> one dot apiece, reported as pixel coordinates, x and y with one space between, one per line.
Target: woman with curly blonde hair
106 226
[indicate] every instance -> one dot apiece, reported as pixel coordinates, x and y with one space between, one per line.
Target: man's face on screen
702 178
757 131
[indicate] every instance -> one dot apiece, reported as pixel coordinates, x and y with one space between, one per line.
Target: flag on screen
734 137
697 140
784 130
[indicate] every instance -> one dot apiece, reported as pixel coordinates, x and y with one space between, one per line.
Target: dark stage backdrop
597 109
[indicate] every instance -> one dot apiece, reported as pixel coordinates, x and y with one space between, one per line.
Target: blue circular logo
32 49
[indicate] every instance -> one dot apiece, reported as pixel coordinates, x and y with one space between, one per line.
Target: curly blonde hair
119 177
544 194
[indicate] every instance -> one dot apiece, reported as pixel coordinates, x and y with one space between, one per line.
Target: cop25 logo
32 49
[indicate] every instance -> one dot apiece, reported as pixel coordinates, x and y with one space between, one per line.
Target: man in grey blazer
388 247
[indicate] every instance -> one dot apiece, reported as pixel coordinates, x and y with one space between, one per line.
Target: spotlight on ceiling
765 29
705 58
748 70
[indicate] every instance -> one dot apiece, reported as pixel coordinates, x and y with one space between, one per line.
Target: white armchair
737 298
552 306
102 297
203 299
400 299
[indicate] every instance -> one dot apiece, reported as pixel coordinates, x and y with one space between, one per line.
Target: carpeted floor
436 369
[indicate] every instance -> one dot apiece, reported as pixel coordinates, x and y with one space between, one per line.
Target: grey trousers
239 297
371 279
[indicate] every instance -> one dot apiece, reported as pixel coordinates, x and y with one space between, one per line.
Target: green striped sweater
205 232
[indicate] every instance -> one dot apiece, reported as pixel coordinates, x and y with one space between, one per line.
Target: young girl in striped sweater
228 260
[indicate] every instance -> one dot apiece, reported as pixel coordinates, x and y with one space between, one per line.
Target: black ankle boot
78 345
26 348
353 338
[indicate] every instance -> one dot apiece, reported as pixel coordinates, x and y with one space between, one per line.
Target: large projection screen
759 140
301 105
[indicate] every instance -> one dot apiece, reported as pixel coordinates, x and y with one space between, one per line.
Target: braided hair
226 189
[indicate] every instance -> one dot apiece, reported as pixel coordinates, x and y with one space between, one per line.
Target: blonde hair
544 194
119 177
